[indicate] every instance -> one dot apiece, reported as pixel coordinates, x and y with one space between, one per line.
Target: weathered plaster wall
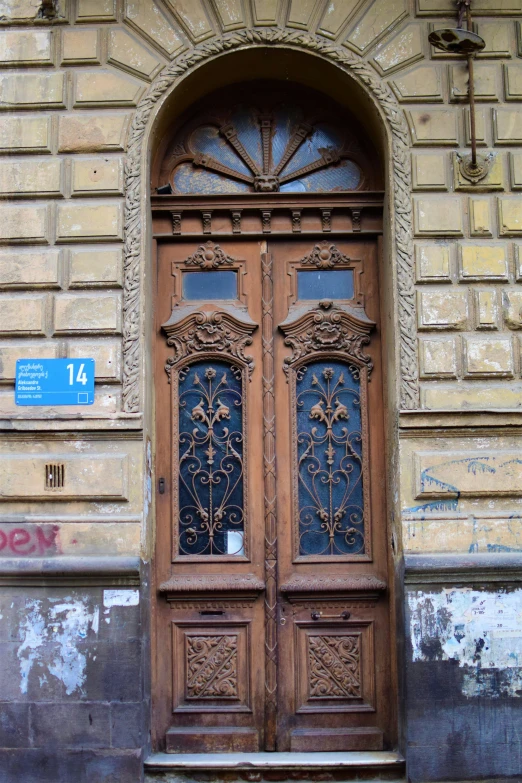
464 682
72 696
69 92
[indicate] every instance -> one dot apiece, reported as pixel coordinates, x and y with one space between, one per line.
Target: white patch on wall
481 630
120 598
50 639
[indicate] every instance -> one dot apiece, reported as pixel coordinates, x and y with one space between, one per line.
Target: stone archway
252 589
400 242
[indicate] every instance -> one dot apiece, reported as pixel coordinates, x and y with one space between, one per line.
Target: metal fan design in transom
248 150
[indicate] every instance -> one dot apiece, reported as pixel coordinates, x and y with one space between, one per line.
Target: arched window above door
267 142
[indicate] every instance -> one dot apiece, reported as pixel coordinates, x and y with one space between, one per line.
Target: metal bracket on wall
457 40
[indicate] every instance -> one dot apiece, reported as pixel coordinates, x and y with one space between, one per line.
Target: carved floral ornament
328 328
334 663
212 667
325 255
401 239
223 332
209 256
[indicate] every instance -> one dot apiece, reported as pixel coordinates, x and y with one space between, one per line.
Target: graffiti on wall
29 540
481 630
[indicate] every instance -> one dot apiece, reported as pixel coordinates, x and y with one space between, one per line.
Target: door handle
320 616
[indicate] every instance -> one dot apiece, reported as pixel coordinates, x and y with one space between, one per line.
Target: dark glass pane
245 121
286 119
210 460
325 284
188 179
210 285
208 140
329 453
344 175
324 137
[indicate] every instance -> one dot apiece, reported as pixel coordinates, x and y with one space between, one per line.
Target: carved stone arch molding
401 235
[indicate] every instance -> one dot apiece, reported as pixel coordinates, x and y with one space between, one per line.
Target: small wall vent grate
54 476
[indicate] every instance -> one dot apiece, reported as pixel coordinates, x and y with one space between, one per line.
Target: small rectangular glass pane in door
211 285
325 284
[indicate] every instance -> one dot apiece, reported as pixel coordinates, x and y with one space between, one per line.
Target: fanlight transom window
246 149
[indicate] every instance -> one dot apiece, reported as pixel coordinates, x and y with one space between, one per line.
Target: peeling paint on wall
50 642
481 630
121 598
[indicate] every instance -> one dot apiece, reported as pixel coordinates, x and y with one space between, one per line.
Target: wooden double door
272 627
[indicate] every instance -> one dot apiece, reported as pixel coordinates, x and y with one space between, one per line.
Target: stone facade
80 93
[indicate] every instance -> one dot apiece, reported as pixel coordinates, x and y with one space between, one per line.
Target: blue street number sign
54 382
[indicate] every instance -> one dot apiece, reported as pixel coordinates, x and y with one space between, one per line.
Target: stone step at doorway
368 766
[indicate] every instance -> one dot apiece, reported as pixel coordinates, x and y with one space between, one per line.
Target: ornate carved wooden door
271 545
333 665
272 616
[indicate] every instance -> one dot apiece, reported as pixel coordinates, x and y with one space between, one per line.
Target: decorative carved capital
325 255
362 587
224 332
214 586
325 329
209 256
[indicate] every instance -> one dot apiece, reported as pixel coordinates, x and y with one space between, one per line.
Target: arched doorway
272 616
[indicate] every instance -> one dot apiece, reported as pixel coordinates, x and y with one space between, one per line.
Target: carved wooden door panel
210 541
272 625
333 665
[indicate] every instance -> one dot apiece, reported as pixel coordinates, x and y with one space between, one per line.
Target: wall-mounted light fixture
457 40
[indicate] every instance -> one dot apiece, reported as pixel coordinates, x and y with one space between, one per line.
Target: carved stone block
512 308
444 309
421 85
480 218
429 171
434 127
486 357
438 216
433 262
438 357
402 50
510 217
483 262
486 308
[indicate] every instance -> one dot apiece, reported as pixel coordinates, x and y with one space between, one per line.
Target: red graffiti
29 540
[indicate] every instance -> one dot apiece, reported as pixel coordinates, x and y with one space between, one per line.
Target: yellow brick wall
69 88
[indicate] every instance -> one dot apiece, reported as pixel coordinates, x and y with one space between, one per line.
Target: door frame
364 212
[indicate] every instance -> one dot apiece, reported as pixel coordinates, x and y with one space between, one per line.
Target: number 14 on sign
81 376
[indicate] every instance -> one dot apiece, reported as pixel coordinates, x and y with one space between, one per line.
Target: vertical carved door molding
269 501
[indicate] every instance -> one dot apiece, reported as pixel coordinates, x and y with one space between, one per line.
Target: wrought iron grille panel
329 445
211 465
